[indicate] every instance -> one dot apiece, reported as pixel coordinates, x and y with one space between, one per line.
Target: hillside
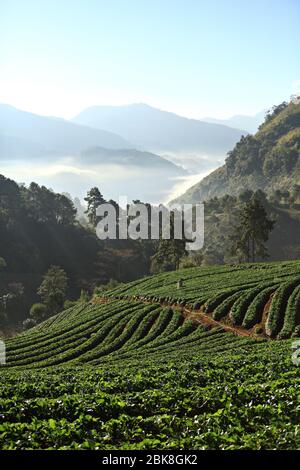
221 215
159 377
38 228
160 131
48 135
269 160
248 300
131 158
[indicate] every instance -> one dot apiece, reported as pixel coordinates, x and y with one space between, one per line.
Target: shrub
278 306
292 315
38 312
69 304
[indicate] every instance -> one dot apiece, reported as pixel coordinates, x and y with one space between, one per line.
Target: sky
194 57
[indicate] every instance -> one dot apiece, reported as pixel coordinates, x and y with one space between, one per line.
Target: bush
38 312
69 304
278 307
112 284
187 262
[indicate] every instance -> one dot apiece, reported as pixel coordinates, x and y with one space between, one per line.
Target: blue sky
194 57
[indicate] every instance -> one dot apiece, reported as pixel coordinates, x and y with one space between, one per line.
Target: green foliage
38 229
53 289
225 307
278 306
244 304
170 251
84 296
254 312
38 312
69 304
252 232
94 199
112 284
243 290
292 314
202 394
268 160
139 376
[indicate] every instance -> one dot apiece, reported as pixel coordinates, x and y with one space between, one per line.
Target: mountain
21 132
249 123
160 131
130 157
269 160
18 148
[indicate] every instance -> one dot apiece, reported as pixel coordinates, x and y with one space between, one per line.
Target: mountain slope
130 157
161 131
269 160
53 135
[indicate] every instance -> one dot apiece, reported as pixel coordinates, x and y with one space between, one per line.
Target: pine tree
252 232
170 251
94 199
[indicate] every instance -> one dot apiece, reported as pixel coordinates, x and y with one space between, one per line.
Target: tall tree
169 251
53 289
94 199
251 234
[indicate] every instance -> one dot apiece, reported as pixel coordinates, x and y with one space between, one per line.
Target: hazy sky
194 57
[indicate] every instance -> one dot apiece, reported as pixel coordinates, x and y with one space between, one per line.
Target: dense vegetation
237 293
269 160
39 228
223 216
130 372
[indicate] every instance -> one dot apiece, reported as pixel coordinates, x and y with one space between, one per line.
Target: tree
94 199
53 289
169 251
49 207
252 232
38 312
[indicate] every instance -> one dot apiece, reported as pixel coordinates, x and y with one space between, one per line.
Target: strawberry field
134 371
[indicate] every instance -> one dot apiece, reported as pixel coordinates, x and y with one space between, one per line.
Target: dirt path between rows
197 316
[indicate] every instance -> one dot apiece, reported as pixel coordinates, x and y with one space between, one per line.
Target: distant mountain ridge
130 157
160 131
240 121
269 160
71 157
50 135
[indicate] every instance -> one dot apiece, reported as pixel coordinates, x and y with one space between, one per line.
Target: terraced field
130 372
265 295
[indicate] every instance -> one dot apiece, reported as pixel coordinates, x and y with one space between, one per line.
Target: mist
66 174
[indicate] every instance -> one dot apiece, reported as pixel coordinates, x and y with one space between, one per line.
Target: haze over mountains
268 160
240 121
141 150
195 144
71 157
50 135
